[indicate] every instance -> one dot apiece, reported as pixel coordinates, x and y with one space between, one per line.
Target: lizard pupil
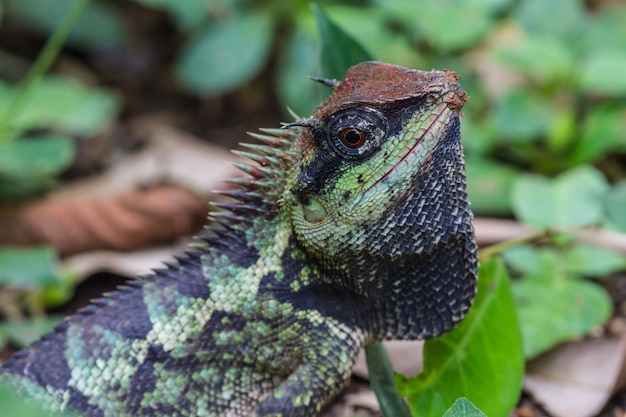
351 137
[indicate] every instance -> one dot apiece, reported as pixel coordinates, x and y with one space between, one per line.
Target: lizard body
353 226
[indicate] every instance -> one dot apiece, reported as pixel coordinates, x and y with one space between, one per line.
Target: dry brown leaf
577 379
129 221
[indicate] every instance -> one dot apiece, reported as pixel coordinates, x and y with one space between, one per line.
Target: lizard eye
351 137
356 133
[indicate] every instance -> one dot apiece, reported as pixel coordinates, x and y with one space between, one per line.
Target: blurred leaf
221 58
186 13
63 104
481 359
390 44
338 50
446 25
559 18
614 203
489 185
555 307
463 408
605 30
298 61
543 58
12 405
522 116
35 157
478 135
33 267
573 198
602 72
594 261
603 131
23 333
522 259
99 26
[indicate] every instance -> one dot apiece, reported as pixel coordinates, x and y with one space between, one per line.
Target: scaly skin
354 226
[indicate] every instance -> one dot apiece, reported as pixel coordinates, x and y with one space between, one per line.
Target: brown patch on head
379 83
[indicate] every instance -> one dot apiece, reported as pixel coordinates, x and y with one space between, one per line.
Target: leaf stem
383 382
39 68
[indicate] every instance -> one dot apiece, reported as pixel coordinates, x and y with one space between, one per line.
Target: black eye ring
352 137
356 133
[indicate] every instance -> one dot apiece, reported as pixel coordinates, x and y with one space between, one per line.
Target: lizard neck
422 284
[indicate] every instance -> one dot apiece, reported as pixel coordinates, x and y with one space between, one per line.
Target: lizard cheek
313 210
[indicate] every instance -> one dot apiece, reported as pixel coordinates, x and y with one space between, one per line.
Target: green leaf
489 185
23 333
463 408
573 198
555 307
12 405
186 13
543 58
221 58
41 156
603 131
298 61
481 359
338 50
594 261
446 25
63 104
99 26
603 72
34 267
389 44
522 116
558 18
614 203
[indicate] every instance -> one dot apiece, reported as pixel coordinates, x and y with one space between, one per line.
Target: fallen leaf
578 378
132 220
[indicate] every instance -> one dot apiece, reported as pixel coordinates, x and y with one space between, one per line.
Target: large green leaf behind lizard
352 226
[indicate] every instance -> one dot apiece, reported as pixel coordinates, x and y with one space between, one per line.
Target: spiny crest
257 193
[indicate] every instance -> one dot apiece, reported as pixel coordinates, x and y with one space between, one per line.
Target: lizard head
364 151
378 183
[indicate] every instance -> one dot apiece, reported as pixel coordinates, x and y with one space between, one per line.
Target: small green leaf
543 58
12 405
603 72
221 58
41 156
23 333
614 203
298 61
558 18
99 26
522 116
573 198
594 261
489 185
28 268
481 359
186 13
63 104
338 50
463 408
603 131
555 307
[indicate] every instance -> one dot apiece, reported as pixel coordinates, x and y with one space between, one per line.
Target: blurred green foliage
544 133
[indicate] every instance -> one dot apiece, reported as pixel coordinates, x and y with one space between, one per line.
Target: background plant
544 132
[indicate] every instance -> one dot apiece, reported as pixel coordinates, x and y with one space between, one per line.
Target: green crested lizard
353 226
